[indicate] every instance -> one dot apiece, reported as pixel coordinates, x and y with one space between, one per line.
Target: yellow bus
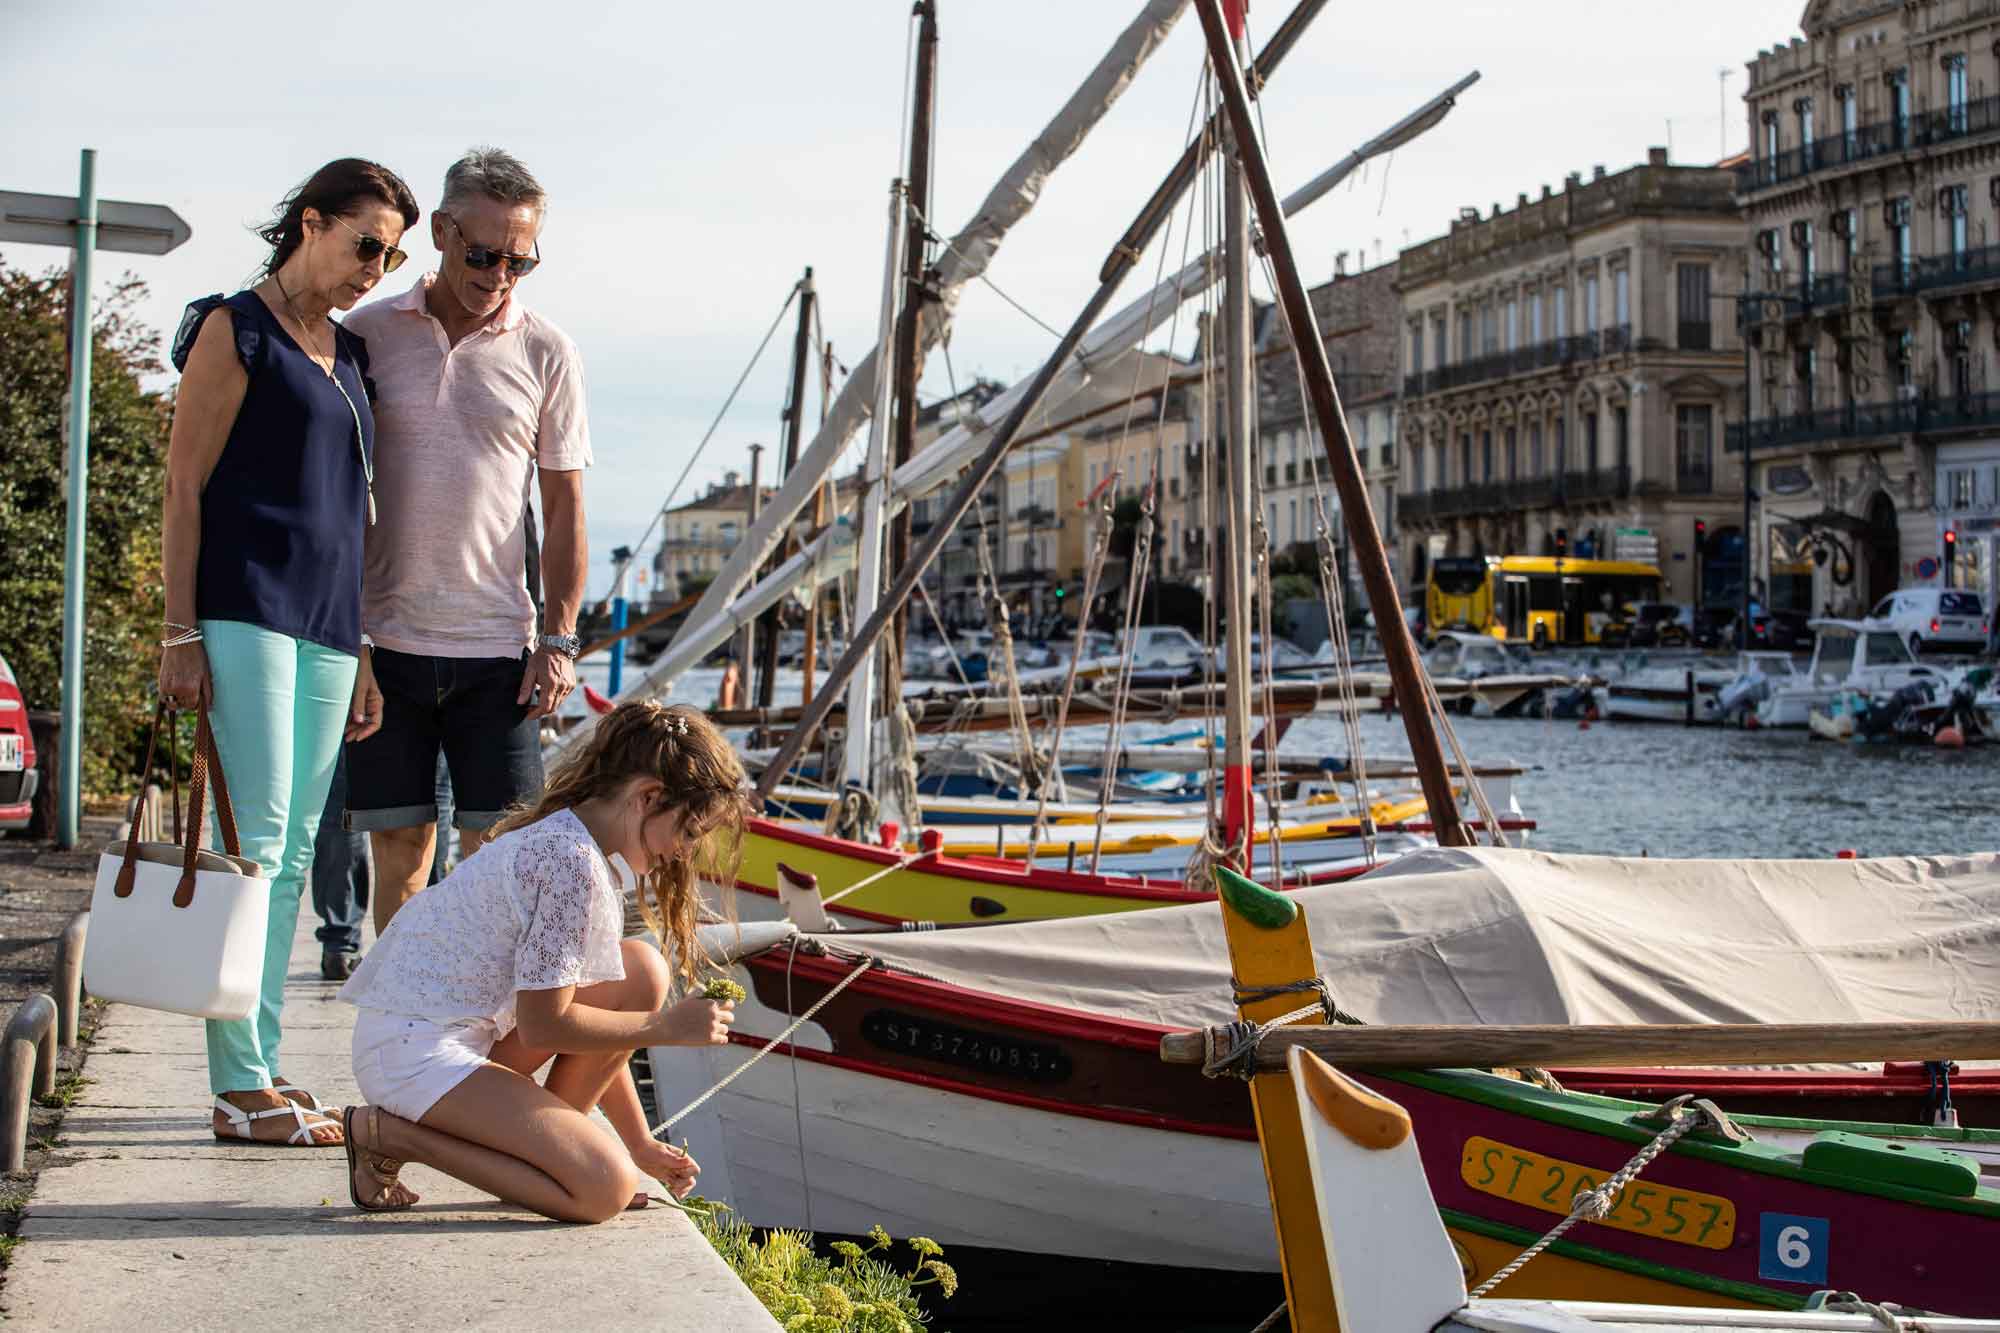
1537 599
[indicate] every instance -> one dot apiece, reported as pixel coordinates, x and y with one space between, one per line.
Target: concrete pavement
141 1219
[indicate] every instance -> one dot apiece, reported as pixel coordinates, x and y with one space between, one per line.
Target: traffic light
1700 535
1950 550
1061 592
1562 542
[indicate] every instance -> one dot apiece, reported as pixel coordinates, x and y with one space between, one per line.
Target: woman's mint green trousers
280 707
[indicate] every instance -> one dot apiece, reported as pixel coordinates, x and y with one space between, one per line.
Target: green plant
128 434
859 1290
68 1087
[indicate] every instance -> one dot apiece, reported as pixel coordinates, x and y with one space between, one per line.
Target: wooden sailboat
1001 1090
1393 1267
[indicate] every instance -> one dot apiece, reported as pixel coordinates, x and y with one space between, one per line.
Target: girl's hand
694 1022
668 1165
184 678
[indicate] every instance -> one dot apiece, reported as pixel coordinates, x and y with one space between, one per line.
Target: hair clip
677 723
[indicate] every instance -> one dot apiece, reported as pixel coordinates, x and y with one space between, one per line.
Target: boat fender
1949 738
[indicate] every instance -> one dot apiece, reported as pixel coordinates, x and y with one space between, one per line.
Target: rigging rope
1100 547
709 434
764 1050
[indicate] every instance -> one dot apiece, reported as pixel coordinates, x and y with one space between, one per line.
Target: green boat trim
1747 1292
1609 1117
1253 902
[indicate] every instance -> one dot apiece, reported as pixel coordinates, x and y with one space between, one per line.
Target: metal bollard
27 1070
68 978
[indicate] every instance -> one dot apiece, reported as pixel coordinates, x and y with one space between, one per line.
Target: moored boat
999 1088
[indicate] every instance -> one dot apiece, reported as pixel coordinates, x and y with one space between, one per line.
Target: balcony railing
1981 116
1520 361
1504 497
1036 516
1694 478
1695 335
1858 420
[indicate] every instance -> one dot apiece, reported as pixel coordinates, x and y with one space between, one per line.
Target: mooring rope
1595 1204
764 1050
1232 1048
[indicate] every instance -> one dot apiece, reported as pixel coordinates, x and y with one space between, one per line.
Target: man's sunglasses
366 247
480 256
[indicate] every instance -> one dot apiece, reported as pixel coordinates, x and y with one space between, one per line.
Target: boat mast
1123 257
820 505
1364 535
861 683
909 347
795 406
1237 435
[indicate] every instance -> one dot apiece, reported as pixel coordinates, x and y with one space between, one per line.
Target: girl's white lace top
534 909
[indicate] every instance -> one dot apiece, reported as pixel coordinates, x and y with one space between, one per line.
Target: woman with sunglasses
270 488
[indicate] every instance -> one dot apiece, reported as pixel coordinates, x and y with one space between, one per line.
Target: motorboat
1864 655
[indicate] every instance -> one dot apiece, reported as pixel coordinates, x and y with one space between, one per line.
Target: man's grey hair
492 173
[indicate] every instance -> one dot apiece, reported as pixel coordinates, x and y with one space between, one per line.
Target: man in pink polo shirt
478 400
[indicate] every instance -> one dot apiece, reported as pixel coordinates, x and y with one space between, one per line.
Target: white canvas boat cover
1491 935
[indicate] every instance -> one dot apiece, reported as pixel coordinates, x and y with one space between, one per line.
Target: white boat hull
961 1170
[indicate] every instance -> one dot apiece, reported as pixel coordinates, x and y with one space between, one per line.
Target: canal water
1660 789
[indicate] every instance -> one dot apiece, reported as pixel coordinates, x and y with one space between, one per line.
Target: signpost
86 224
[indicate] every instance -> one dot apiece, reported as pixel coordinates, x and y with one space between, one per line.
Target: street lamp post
1749 310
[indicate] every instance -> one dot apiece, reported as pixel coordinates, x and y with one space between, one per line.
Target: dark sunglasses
366 247
480 256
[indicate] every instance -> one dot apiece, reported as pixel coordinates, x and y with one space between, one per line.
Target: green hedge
128 444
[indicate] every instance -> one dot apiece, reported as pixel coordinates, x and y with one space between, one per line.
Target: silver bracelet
185 637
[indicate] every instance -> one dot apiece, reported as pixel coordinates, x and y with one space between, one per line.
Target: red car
18 777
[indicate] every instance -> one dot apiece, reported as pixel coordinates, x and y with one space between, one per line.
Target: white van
1947 620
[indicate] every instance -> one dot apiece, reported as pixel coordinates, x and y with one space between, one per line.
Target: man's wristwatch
569 645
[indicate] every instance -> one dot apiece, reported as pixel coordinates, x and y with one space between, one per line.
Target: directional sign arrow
50 219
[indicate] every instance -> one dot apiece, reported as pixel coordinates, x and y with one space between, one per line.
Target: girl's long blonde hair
681 749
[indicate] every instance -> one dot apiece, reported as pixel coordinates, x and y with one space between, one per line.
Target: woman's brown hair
335 190
680 748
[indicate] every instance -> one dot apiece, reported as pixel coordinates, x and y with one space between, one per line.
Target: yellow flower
947 1277
925 1247
724 989
834 1302
880 1237
847 1250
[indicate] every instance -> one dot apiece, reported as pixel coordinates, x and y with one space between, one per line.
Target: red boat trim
960 1002
1077 1110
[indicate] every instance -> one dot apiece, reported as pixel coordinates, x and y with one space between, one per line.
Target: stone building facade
1872 208
1357 314
697 536
1567 366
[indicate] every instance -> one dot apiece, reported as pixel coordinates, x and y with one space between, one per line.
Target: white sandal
298 1096
301 1135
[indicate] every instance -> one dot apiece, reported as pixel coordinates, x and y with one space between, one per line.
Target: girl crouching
516 957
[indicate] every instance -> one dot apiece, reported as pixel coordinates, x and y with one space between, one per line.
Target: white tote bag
174 926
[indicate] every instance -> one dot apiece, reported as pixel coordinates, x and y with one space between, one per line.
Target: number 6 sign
1792 1248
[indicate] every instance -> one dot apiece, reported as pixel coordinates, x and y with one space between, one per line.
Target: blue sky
700 156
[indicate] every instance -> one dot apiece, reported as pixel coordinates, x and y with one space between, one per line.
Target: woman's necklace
311 348
310 345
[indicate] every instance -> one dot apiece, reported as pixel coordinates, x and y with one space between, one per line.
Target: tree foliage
122 592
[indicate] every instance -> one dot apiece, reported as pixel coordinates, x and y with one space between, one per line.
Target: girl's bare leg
581 1079
514 1139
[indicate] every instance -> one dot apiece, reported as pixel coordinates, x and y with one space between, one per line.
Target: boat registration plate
968 1048
1685 1217
10 752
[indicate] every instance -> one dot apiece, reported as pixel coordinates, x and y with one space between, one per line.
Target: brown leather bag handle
126 872
207 760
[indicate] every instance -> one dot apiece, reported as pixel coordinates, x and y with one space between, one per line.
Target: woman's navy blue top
284 512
